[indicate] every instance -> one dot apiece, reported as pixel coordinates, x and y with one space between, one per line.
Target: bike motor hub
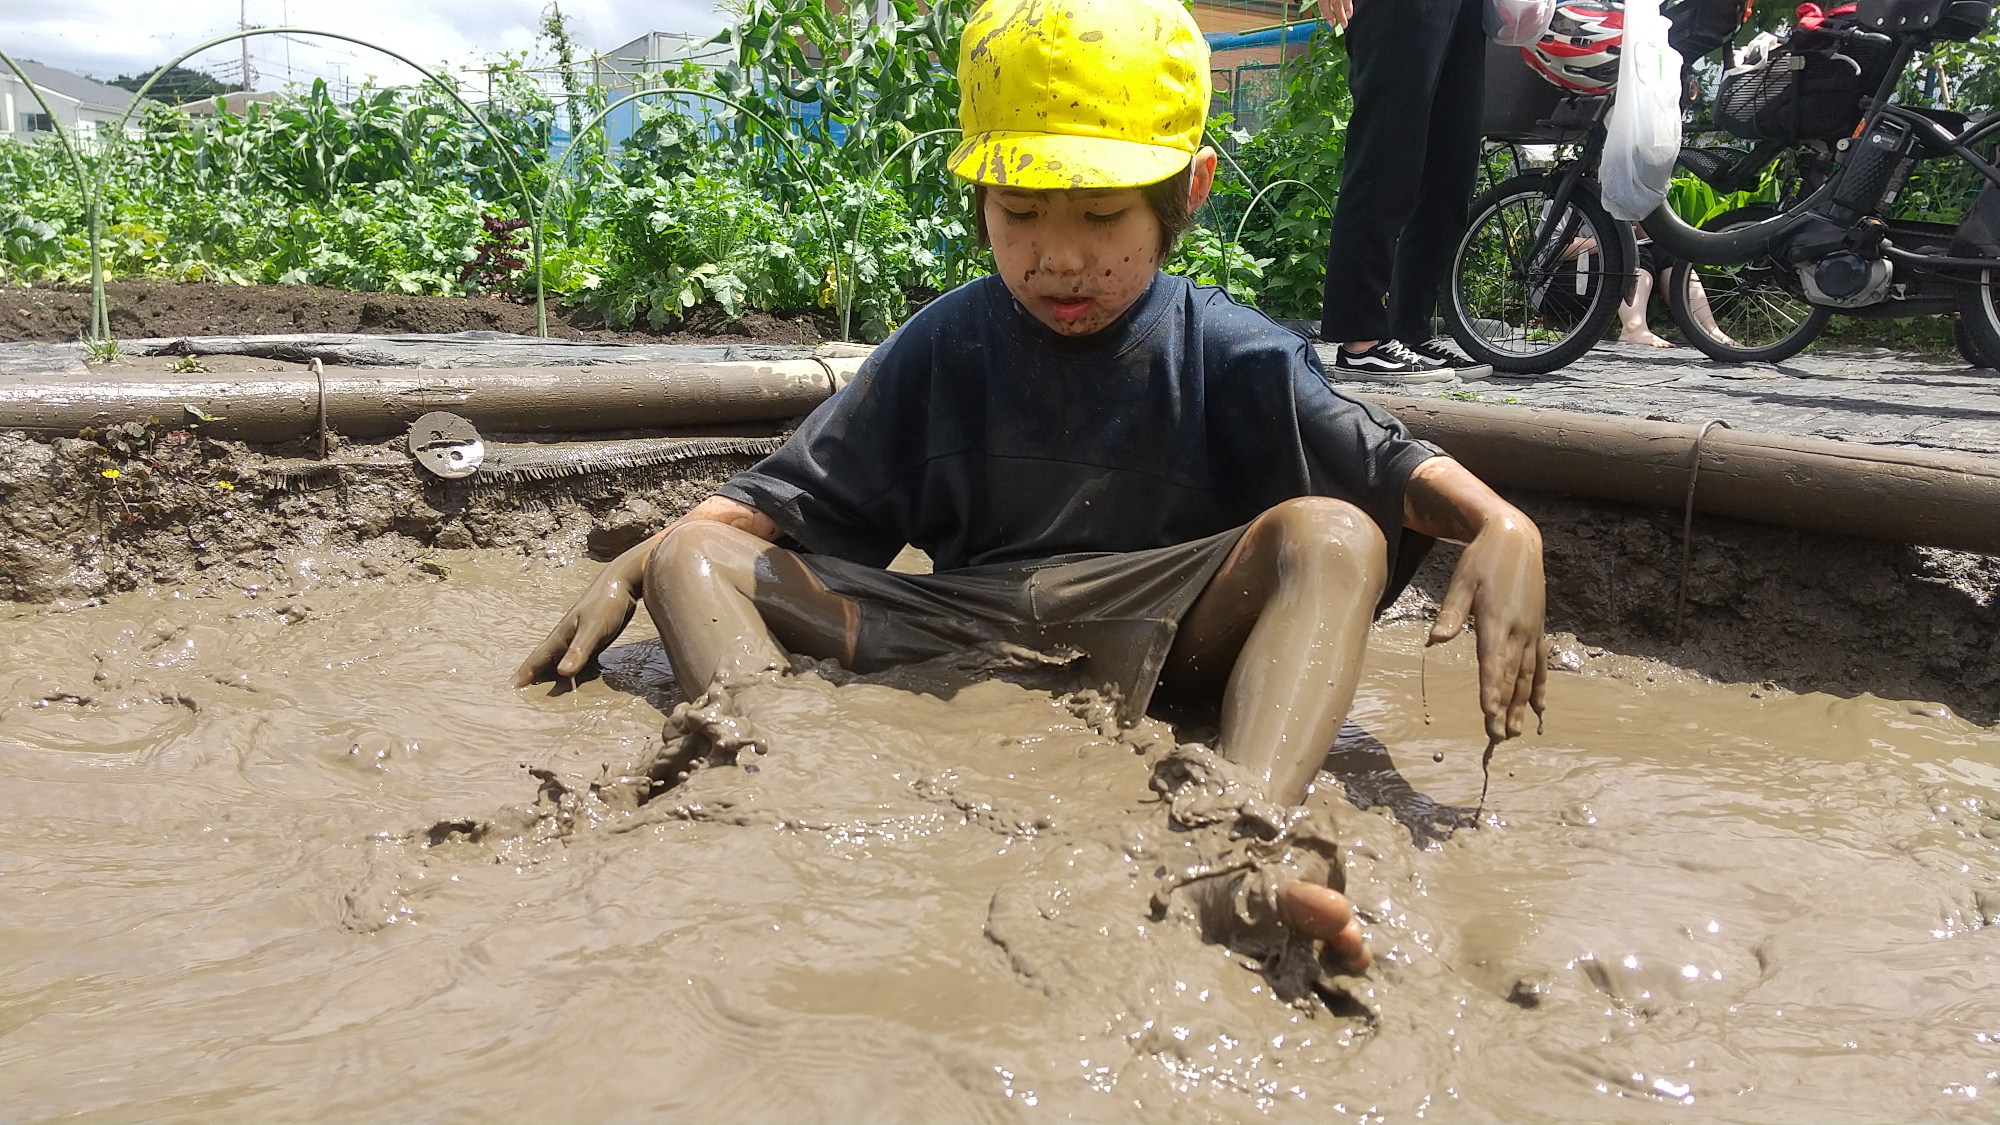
1845 279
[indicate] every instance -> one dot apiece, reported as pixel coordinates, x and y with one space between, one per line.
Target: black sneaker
1451 357
1389 362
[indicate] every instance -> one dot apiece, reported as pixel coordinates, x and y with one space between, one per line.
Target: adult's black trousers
1417 69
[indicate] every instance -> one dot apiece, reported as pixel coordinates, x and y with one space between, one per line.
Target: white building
653 54
81 106
645 61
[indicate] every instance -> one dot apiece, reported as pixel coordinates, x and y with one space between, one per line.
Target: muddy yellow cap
1079 93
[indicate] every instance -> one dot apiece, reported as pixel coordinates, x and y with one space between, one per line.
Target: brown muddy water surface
258 863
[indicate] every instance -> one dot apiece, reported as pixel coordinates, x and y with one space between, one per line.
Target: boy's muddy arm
1498 584
608 603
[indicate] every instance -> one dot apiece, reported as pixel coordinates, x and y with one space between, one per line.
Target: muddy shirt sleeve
1353 449
1287 432
834 486
1363 454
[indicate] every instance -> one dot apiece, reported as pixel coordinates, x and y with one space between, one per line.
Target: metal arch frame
100 318
520 181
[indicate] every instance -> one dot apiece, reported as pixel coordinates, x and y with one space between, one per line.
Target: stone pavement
1870 395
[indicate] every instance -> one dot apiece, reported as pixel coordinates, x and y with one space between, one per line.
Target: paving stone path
1868 395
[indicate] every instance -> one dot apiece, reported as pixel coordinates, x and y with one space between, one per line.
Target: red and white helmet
1580 50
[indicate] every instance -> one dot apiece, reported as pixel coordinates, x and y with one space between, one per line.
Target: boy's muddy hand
1499 583
595 621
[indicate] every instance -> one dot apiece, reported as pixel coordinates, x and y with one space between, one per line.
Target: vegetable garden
807 173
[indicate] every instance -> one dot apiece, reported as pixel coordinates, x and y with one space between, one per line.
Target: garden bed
53 314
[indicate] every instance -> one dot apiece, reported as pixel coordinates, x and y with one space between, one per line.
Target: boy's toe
1325 915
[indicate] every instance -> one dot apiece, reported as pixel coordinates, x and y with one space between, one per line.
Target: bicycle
1542 268
1837 248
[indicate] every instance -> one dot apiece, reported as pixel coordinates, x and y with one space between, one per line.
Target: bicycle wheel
1529 308
1968 349
1757 312
1979 317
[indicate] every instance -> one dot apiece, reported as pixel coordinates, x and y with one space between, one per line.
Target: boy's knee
1323 530
693 549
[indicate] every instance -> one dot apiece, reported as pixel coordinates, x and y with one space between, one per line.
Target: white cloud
105 38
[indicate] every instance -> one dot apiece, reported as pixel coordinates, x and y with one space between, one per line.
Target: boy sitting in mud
1098 455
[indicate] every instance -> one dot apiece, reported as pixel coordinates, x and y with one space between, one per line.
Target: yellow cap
1063 94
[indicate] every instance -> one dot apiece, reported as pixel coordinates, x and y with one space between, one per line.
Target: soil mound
54 314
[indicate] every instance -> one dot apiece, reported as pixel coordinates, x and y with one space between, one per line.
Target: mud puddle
243 876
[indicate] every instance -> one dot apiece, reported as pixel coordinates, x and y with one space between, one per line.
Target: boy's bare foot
1645 336
1325 915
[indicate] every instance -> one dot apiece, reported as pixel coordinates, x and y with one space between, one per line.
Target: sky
106 38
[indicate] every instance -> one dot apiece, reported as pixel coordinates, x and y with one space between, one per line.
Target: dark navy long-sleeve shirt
982 437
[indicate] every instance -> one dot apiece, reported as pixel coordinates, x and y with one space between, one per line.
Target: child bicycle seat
1947 20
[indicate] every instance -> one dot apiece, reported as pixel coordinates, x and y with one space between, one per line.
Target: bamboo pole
1843 488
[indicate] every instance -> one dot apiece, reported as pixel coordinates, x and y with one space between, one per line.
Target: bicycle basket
1808 88
1518 101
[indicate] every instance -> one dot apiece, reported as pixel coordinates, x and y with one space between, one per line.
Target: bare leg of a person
1286 621
1703 315
729 604
1632 326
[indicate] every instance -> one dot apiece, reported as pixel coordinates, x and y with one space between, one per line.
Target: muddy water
231 890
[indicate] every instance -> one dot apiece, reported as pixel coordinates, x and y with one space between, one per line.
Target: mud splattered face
1076 260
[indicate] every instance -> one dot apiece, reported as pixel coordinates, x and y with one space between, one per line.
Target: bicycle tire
1530 194
1968 349
1787 344
1979 318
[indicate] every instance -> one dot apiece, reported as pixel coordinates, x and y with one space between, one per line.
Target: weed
101 351
188 365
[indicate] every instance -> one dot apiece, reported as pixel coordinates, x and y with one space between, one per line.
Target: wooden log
382 402
1842 488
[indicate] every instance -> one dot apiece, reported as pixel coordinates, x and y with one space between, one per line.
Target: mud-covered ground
1806 612
145 309
272 854
278 842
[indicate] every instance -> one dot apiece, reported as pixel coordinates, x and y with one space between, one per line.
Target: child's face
1076 260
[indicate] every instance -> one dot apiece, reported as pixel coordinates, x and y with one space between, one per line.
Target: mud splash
274 855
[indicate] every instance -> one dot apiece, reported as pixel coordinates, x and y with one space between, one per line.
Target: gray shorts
1120 610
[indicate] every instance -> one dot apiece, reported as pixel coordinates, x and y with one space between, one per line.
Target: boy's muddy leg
729 604
1286 620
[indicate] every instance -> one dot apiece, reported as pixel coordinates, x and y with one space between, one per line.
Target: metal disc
446 445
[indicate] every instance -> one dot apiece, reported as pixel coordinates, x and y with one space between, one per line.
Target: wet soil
1811 612
83 518
271 854
146 309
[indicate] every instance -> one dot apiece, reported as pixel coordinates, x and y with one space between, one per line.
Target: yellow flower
111 473
225 486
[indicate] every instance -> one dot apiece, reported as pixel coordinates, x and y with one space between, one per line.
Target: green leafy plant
1208 258
1696 202
1306 141
101 350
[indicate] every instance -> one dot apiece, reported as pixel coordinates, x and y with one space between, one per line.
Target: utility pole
249 76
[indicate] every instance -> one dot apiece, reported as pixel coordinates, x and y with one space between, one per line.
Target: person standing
1417 70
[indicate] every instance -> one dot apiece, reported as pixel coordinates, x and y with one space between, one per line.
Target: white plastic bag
1644 133
1518 23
